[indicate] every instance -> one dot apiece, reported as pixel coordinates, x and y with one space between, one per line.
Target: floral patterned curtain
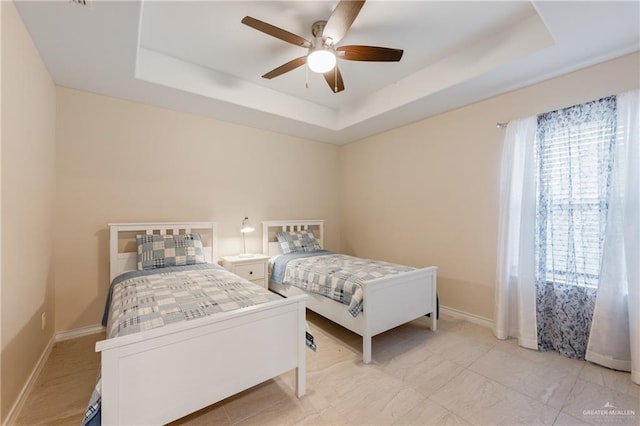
574 155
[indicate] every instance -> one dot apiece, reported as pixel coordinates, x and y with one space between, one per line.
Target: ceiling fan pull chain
306 77
335 79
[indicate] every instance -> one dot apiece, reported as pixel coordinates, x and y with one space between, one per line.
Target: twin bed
155 370
158 375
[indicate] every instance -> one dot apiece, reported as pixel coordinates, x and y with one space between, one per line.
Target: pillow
158 251
300 241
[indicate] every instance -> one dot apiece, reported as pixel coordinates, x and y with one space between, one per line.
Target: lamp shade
321 60
246 226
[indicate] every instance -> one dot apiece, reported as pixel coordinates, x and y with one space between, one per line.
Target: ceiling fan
322 50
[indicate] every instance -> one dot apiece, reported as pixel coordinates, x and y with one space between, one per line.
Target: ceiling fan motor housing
318 28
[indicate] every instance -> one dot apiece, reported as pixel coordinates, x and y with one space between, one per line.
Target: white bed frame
159 375
388 302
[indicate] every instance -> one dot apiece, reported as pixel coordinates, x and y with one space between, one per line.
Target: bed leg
366 349
301 369
300 382
435 311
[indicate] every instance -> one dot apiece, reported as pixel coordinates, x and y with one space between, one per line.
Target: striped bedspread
337 276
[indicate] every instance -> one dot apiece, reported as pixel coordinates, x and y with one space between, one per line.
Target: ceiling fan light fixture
321 60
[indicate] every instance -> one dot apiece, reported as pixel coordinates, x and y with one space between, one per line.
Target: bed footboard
391 301
388 303
163 374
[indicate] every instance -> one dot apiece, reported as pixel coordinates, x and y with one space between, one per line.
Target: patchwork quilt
337 276
145 301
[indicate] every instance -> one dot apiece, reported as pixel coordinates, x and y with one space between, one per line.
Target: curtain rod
502 125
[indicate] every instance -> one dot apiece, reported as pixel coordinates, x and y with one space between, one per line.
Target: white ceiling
197 57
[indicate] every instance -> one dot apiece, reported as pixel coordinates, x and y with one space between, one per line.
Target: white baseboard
28 386
33 377
61 336
476 319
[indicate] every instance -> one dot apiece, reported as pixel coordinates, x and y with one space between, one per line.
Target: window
568 231
574 160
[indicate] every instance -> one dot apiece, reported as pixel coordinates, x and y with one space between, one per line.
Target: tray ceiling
197 57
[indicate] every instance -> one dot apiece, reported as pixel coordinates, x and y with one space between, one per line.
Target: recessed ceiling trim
488 53
157 68
485 54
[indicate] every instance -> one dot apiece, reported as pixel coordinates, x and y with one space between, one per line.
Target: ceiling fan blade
341 19
334 79
369 53
291 65
275 31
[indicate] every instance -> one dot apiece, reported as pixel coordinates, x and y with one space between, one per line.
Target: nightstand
252 268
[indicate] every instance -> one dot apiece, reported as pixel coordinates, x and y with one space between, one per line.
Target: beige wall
427 193
121 161
28 197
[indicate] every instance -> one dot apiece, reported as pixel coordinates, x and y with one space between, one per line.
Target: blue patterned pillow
300 241
158 251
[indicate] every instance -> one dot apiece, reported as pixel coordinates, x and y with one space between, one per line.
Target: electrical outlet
44 320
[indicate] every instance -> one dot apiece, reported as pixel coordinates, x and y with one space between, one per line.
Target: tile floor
459 375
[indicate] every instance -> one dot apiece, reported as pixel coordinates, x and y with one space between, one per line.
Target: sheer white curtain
614 340
515 287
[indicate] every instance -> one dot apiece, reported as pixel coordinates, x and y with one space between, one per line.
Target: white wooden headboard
123 254
270 245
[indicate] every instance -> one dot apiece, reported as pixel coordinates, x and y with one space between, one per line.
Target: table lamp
246 227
